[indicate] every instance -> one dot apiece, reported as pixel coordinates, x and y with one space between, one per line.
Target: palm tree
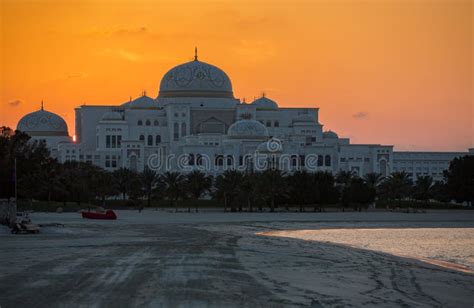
360 193
397 186
123 179
197 183
31 167
101 185
373 179
325 191
300 186
272 185
174 186
343 179
51 178
148 179
422 189
247 191
74 180
460 179
88 173
439 191
228 187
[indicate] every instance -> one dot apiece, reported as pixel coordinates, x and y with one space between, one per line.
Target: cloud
70 76
360 115
122 54
133 31
118 31
15 103
255 50
129 56
236 21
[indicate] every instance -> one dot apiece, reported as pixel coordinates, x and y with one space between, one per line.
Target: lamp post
14 208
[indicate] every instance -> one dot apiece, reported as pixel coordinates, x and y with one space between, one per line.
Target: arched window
230 160
156 123
157 139
133 163
294 160
327 160
199 160
183 129
140 123
302 160
150 140
219 160
320 160
147 123
191 160
176 131
142 138
276 124
383 167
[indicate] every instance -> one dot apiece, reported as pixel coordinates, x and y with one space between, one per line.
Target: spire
42 108
195 53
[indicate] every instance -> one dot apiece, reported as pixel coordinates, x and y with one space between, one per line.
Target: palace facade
195 122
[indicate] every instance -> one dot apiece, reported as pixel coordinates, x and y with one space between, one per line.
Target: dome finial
42 105
195 53
263 94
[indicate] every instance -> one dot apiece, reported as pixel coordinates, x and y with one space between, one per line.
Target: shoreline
305 234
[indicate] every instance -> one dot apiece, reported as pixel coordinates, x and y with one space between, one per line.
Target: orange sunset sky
381 71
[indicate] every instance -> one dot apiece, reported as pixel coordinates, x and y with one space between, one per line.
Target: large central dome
196 79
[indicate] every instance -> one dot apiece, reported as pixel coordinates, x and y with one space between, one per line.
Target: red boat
109 214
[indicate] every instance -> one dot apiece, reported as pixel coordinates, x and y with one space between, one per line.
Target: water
447 247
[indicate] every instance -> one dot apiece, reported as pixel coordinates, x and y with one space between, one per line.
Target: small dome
112 116
330 135
43 123
265 103
304 118
196 79
247 129
141 102
272 145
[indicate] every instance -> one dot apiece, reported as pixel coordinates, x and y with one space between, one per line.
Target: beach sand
212 259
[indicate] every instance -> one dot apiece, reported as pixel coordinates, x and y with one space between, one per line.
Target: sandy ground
160 259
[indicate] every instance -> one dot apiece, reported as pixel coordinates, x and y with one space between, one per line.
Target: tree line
40 177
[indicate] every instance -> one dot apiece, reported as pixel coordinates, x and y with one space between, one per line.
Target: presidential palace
195 122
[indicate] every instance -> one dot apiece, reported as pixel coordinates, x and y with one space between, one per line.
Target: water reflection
448 247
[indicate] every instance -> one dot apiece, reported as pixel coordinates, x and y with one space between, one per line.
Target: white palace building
196 122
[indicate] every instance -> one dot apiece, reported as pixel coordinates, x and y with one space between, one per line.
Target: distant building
196 116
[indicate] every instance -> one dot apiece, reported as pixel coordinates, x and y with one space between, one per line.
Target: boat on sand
109 214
